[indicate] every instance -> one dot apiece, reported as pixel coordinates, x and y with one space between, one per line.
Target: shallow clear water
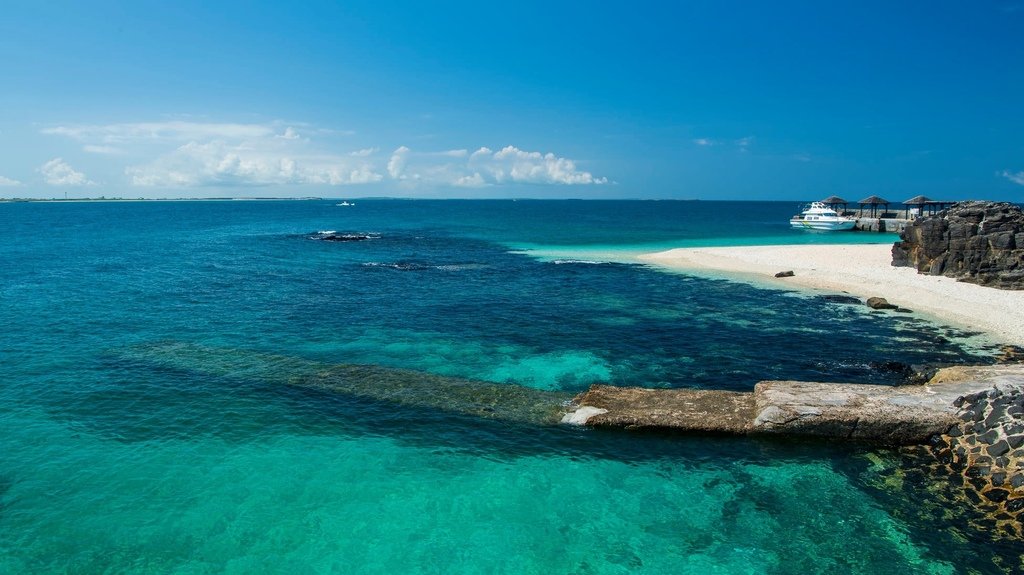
163 404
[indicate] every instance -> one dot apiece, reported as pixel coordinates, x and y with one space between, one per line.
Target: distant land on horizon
401 199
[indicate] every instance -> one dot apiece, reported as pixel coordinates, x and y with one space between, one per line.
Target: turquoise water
178 395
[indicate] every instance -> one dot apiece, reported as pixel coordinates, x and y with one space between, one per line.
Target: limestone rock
855 411
977 242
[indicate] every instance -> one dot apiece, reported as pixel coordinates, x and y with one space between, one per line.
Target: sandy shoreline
863 270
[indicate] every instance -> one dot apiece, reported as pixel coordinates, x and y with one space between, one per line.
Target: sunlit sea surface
210 387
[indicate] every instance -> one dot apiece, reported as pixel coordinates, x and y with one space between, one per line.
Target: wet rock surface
977 242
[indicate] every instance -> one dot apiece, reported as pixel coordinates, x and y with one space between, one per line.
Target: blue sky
709 100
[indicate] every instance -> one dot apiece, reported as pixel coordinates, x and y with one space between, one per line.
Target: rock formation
977 242
893 415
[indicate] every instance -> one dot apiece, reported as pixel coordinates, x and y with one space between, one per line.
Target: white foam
581 415
587 262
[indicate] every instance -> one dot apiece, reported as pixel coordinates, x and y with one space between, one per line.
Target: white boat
819 216
345 204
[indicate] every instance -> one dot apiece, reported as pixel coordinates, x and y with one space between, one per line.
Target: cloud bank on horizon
181 154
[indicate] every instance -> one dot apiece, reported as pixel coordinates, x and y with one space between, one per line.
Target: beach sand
863 270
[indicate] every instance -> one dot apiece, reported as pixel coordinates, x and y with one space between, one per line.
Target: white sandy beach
864 271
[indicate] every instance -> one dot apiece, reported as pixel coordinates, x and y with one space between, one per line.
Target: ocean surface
213 387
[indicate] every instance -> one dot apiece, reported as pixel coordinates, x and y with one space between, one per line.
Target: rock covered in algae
400 387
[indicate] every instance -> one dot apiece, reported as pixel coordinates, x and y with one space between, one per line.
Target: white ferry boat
819 216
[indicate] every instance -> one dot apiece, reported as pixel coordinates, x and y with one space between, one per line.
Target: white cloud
396 165
473 181
454 153
289 134
744 143
364 152
704 142
4 182
57 172
1017 178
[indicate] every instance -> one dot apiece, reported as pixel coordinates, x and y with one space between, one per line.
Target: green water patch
438 353
374 505
629 253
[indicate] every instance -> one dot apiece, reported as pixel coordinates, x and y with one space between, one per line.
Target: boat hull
824 225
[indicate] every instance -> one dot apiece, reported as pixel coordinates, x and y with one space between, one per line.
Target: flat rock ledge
893 415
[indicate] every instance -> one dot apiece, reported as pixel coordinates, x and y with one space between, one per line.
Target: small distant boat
345 204
819 216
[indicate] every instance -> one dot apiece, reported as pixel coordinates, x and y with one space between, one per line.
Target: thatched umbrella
833 201
918 201
874 202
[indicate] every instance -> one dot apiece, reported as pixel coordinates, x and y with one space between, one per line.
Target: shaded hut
874 202
917 201
834 202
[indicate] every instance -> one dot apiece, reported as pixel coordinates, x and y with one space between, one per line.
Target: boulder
785 274
879 303
977 242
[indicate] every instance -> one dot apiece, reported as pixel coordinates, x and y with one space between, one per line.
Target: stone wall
978 242
986 450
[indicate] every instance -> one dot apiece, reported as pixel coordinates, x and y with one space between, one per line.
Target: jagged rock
977 242
785 274
344 237
894 367
880 303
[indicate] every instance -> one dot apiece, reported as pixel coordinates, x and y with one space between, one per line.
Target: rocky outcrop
977 242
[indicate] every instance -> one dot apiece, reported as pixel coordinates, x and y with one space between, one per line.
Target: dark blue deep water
156 413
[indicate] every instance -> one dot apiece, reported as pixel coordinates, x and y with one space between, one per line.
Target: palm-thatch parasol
874 202
833 201
919 201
